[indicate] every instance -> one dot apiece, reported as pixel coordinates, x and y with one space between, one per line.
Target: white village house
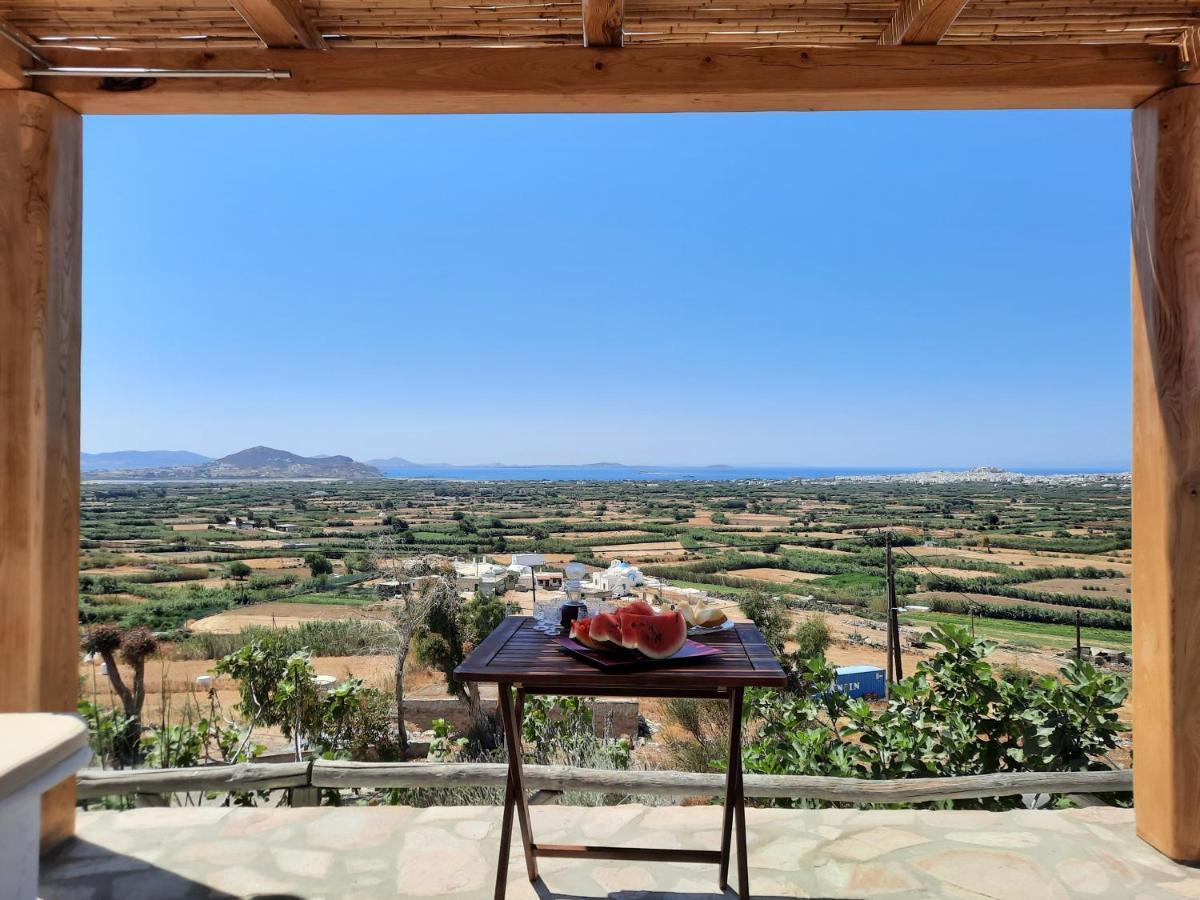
619 579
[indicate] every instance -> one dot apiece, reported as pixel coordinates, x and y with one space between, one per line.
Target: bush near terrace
953 716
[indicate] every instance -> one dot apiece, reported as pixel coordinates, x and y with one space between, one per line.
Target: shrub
812 637
698 740
770 615
323 637
559 731
951 717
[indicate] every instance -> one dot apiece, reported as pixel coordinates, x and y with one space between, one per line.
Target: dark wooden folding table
521 661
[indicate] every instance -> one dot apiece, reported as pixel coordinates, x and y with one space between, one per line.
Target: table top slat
516 653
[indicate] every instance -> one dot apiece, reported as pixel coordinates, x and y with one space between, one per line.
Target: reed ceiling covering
163 24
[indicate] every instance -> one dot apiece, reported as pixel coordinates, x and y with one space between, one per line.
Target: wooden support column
1166 471
40 250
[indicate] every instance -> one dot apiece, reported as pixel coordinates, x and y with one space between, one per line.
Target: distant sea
665 473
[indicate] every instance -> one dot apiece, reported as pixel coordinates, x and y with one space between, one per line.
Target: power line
970 600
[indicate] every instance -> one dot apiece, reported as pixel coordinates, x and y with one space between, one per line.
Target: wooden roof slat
281 23
180 25
921 21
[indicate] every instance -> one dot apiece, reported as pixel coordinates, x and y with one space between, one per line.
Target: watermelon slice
605 627
639 608
656 636
581 631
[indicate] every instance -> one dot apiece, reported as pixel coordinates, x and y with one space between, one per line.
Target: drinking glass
540 615
554 617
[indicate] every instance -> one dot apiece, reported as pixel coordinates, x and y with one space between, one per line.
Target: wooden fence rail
95 783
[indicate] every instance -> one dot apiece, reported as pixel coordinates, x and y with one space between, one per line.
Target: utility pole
893 612
1079 641
891 674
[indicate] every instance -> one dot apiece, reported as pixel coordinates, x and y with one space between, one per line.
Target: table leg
516 778
735 809
505 838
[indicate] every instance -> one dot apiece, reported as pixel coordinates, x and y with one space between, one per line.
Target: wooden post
893 614
1079 635
1166 470
889 652
40 250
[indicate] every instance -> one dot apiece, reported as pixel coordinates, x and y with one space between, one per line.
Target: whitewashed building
619 579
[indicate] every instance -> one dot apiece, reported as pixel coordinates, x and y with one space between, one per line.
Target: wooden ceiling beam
921 21
638 79
281 23
13 60
12 64
603 23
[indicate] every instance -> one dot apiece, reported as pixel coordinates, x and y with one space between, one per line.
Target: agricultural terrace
1022 560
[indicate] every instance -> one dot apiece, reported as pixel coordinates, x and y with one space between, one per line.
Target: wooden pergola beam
1166 460
41 228
638 79
281 23
13 60
921 21
603 23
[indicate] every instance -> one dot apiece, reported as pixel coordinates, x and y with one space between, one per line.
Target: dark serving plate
622 660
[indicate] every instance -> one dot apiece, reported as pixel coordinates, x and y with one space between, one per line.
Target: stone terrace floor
374 852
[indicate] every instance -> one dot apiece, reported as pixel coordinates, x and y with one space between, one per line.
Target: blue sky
892 289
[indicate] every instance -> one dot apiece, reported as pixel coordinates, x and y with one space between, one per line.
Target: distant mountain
140 459
255 462
267 462
399 462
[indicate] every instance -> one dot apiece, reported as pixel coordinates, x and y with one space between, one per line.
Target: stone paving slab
361 852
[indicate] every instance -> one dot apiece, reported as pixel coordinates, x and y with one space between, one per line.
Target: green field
1028 634
1065 531
716 589
331 599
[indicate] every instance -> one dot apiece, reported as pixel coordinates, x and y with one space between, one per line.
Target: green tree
770 615
812 638
407 614
318 564
134 645
238 570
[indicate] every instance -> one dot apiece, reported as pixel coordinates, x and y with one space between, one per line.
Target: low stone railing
94 783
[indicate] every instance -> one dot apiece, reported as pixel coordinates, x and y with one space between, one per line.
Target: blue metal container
860 681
